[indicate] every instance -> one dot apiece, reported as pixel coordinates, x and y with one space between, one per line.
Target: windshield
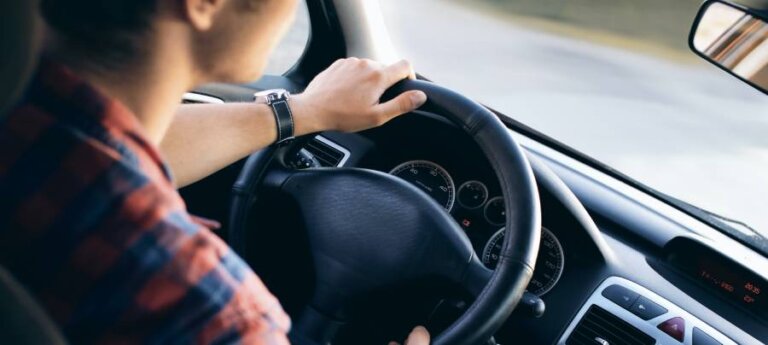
613 79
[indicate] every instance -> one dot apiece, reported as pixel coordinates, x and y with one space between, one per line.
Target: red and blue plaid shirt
91 224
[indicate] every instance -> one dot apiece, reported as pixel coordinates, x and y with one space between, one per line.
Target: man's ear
201 13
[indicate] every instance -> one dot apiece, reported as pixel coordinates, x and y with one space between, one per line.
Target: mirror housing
734 37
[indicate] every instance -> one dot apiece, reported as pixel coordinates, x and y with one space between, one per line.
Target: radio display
724 277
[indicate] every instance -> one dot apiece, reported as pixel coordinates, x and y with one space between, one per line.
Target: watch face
268 96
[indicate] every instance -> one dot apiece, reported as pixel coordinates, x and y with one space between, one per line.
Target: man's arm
204 138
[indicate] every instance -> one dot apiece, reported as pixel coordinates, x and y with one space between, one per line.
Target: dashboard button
674 327
646 309
620 295
701 338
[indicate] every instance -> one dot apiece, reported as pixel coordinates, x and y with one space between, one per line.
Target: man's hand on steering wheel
418 336
345 97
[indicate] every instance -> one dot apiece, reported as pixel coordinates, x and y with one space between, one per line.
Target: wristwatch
278 100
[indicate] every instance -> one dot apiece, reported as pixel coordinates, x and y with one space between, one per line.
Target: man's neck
151 87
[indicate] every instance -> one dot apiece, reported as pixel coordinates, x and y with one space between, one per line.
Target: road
685 129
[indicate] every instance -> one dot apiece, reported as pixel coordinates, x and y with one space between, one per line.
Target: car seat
22 319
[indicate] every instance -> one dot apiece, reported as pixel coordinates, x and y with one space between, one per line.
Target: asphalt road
685 129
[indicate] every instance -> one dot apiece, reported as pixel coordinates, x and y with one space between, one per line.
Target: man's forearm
204 138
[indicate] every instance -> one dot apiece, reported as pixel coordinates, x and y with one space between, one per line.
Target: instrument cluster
481 212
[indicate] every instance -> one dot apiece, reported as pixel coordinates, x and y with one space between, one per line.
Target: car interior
456 217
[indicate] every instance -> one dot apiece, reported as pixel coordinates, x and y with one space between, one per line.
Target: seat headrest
19 41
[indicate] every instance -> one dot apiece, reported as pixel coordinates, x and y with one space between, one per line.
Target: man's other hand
345 97
419 336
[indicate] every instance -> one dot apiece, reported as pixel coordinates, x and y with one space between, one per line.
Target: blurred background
611 78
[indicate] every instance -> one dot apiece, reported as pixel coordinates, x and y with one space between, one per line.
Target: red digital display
734 283
719 274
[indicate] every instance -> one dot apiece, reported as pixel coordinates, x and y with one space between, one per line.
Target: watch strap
284 119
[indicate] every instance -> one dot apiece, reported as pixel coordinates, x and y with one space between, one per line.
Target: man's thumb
403 103
419 336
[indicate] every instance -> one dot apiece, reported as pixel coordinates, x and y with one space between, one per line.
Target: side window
292 46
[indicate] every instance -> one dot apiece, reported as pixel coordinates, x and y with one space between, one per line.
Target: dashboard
675 286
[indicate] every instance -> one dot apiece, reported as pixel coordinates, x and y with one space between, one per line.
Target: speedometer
429 177
549 264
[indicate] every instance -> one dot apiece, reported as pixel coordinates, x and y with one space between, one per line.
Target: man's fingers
419 336
398 71
403 103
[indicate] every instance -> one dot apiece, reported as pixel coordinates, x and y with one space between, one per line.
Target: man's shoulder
32 131
57 176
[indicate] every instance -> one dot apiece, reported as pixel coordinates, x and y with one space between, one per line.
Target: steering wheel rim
497 293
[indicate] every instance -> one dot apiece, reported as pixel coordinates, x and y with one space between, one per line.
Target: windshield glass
613 79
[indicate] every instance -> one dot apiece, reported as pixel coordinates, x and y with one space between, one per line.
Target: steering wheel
368 230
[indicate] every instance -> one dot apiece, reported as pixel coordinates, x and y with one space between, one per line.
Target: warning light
466 222
752 288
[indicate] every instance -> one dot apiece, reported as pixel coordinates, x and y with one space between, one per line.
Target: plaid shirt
91 224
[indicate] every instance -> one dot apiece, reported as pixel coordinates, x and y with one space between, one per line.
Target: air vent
198 98
328 153
598 326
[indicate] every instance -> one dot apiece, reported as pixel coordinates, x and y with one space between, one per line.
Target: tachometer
429 177
549 264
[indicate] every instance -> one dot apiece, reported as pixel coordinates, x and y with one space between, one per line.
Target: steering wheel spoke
314 328
476 277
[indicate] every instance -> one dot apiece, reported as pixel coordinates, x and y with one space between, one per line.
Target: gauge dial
429 177
472 194
495 212
549 264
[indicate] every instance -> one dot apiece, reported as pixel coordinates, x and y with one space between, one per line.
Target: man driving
90 160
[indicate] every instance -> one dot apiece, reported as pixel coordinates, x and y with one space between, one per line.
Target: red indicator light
727 287
466 222
752 288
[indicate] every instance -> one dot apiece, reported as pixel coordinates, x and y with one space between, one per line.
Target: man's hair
107 31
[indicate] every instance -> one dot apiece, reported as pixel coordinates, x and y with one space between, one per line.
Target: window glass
292 46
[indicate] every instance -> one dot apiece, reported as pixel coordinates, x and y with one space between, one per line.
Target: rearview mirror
735 39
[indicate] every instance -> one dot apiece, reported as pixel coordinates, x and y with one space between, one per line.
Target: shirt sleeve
208 295
181 285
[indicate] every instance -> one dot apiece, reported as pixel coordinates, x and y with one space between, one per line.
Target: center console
623 312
